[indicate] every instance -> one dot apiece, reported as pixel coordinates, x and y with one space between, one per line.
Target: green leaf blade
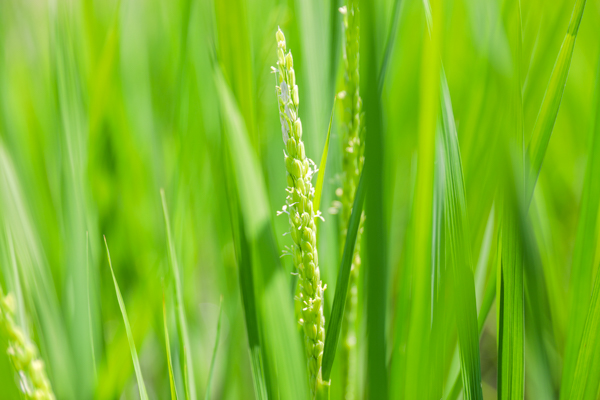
544 124
134 355
458 239
341 288
182 329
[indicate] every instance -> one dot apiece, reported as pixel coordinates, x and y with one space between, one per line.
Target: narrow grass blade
544 124
214 354
418 355
583 252
510 290
334 325
168 349
134 355
375 231
460 253
323 164
182 329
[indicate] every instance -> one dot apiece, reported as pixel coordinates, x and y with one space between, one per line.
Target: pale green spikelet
23 355
299 207
352 162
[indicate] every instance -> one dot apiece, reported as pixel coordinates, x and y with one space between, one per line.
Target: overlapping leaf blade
460 253
182 329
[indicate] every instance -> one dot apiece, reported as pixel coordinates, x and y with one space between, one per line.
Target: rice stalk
352 163
299 207
33 381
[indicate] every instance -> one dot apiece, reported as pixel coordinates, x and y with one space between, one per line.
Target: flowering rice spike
300 170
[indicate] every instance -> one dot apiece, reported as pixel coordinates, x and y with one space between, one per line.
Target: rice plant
301 212
33 381
406 208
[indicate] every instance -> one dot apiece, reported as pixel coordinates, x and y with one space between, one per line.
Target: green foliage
479 126
458 238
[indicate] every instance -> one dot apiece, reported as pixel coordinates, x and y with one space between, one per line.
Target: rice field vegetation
303 199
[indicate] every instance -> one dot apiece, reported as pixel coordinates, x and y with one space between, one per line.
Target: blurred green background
103 103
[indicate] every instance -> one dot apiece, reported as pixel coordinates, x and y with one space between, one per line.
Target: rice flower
352 162
23 355
299 207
